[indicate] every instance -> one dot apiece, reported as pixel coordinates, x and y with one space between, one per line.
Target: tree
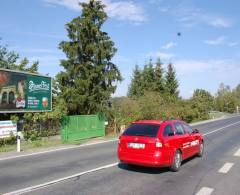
148 77
171 82
136 87
8 60
202 101
90 77
158 77
226 100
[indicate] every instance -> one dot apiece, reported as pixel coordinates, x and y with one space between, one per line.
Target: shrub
32 135
1 142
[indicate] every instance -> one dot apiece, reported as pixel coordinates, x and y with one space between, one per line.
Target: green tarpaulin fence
82 127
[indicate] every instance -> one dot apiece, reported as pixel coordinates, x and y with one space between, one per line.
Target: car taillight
159 144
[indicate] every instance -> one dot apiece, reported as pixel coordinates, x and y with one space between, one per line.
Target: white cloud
120 10
191 16
126 10
169 45
217 41
222 40
217 21
161 55
71 4
220 67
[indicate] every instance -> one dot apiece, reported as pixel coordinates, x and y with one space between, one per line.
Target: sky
206 54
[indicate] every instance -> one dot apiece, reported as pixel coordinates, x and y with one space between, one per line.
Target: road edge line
29 189
56 150
219 129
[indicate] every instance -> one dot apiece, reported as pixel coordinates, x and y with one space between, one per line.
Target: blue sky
206 54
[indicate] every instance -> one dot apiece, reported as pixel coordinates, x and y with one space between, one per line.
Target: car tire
201 150
177 160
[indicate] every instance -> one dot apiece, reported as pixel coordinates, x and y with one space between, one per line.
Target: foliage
227 100
90 77
159 79
8 140
171 82
31 135
152 105
136 86
8 59
153 79
125 110
202 101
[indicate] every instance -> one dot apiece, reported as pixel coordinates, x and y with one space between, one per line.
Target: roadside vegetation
89 79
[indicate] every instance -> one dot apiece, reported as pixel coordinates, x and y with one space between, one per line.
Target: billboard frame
31 74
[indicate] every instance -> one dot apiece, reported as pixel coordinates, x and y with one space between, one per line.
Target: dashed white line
237 153
226 167
32 188
205 191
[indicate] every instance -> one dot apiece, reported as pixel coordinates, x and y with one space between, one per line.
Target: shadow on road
141 169
150 170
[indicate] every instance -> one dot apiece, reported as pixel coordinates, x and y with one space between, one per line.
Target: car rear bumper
153 160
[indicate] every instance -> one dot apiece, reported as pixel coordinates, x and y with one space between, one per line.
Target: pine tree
171 82
90 77
148 77
136 87
158 77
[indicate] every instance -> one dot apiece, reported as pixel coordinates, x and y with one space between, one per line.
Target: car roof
148 122
154 121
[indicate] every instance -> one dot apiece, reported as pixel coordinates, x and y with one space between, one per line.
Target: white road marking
58 149
32 188
226 167
100 142
205 191
216 130
237 153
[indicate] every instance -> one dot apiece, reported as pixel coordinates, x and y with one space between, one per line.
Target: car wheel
176 161
201 150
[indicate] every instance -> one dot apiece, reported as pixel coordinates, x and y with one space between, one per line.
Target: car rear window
146 130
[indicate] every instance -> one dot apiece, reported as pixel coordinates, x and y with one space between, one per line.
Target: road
197 175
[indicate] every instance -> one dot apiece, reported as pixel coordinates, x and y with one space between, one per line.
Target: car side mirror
171 134
195 131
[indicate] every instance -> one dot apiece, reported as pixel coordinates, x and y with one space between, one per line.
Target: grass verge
45 143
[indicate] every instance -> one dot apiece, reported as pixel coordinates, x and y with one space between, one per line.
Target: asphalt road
196 175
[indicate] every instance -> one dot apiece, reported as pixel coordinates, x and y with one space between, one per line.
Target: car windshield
146 130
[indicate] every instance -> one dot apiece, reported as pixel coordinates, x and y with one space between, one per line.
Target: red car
156 143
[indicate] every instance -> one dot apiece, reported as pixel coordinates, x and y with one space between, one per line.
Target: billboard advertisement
24 92
6 128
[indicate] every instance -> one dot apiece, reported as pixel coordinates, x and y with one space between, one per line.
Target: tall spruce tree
136 87
158 77
171 82
90 77
148 76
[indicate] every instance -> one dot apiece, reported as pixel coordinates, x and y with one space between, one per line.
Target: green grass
38 144
47 143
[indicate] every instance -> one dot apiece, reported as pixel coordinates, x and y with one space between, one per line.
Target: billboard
24 92
6 128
